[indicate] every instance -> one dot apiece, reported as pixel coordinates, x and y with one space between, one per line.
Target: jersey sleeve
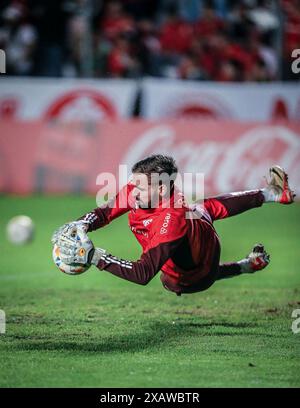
103 215
168 236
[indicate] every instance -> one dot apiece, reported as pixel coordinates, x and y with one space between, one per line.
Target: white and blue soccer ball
73 269
20 230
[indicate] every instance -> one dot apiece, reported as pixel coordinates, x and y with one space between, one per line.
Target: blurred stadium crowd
219 40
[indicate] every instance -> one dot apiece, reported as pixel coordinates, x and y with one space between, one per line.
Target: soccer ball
74 269
20 230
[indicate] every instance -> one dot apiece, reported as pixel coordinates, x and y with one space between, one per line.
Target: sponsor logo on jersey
164 228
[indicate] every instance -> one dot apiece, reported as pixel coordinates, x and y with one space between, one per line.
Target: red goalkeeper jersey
177 239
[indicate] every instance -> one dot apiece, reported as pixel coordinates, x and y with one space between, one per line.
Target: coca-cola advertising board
220 101
66 99
51 158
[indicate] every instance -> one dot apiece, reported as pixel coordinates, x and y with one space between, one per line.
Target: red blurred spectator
236 53
207 59
189 69
116 21
120 61
176 35
209 23
227 72
292 26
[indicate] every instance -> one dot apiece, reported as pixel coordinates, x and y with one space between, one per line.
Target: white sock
269 195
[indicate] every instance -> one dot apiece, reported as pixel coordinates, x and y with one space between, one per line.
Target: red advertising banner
59 158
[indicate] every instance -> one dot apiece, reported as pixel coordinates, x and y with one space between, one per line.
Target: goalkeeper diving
177 239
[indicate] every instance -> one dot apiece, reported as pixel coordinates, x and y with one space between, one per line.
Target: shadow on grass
155 336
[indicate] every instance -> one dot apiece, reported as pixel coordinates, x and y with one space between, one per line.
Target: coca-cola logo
255 151
81 105
229 165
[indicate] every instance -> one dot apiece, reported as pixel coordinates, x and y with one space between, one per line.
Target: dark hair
157 163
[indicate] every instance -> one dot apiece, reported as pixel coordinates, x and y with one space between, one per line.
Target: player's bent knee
170 284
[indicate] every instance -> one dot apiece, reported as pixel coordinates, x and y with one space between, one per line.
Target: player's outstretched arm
162 246
100 216
141 271
103 215
82 252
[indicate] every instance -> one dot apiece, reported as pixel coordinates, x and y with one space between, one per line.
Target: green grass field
96 330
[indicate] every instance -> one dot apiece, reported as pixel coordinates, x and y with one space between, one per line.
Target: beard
152 203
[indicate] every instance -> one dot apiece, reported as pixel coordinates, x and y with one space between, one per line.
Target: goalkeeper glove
83 225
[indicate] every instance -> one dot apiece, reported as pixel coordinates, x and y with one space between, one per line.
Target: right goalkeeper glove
84 225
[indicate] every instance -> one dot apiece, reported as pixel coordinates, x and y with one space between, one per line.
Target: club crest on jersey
164 228
147 222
